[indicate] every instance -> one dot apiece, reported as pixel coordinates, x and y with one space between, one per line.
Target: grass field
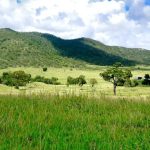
102 88
57 117
73 123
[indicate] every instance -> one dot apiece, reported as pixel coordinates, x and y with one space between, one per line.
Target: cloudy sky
114 22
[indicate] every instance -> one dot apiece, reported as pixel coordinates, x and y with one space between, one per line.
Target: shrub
45 69
93 81
127 83
71 80
38 79
146 81
134 83
147 76
47 81
79 80
17 78
53 80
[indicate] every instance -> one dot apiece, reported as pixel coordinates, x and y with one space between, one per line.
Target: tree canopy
116 74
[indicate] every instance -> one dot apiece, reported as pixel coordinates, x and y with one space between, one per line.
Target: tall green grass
73 123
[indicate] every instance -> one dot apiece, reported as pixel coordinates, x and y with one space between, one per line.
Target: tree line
117 75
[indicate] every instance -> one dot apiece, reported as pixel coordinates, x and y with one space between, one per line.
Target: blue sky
147 2
113 22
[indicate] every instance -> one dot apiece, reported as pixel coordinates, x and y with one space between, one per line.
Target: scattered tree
115 74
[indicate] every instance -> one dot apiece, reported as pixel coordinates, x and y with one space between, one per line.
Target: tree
20 78
93 81
17 78
115 74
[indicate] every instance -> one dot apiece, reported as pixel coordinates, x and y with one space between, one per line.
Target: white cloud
103 20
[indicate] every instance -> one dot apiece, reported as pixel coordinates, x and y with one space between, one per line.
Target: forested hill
37 49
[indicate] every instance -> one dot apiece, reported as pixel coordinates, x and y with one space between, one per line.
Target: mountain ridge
43 49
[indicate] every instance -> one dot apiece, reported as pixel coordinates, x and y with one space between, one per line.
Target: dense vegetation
52 80
17 78
78 80
73 123
37 49
20 78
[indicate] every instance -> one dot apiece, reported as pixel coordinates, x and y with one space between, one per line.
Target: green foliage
128 83
135 83
147 76
117 74
146 81
71 80
53 80
120 82
118 64
93 81
79 80
45 69
17 78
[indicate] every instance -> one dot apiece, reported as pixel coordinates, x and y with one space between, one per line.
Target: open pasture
102 88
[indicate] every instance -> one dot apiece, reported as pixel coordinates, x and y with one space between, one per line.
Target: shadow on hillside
79 50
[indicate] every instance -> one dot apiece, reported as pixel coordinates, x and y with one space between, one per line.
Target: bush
47 81
53 80
38 79
71 80
17 78
45 69
128 83
134 83
146 81
93 81
79 80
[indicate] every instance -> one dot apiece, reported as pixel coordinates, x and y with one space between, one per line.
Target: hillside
37 49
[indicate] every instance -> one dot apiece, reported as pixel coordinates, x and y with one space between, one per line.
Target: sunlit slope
37 49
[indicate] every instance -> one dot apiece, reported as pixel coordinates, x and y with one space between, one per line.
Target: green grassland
73 123
102 88
58 117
